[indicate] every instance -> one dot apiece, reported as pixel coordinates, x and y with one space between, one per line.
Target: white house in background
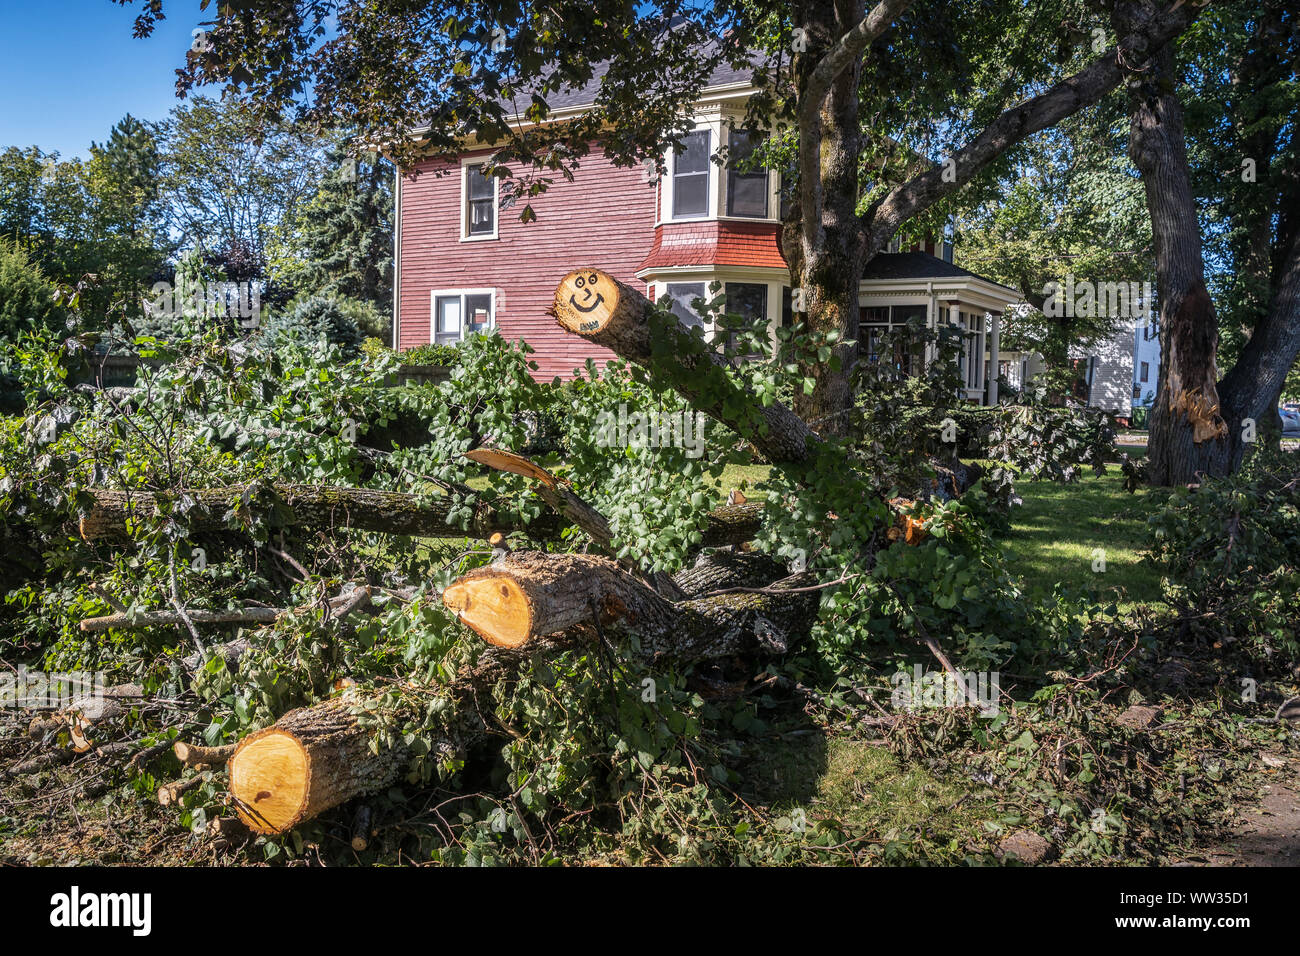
898 286
1146 364
1115 375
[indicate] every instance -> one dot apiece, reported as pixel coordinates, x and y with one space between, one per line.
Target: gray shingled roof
920 265
585 95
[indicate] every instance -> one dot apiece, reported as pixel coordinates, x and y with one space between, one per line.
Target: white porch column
954 318
995 333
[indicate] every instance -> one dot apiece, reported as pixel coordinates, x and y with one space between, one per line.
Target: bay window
746 191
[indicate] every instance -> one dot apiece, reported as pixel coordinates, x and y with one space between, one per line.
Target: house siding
604 218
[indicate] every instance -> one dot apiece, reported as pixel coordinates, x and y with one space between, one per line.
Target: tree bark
831 253
362 509
609 313
1188 431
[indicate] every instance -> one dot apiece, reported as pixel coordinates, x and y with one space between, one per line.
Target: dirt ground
1267 833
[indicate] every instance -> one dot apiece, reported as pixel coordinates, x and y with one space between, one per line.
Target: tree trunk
830 260
1188 431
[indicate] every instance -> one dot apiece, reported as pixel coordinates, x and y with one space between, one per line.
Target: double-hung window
747 300
480 204
691 176
746 191
458 314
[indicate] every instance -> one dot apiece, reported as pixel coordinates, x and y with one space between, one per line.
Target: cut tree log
317 757
528 597
170 793
309 761
593 304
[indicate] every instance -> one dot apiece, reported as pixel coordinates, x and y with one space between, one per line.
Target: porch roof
919 273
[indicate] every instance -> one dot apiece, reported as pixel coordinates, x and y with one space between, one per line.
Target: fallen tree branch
363 509
198 756
605 311
311 506
340 606
247 615
314 758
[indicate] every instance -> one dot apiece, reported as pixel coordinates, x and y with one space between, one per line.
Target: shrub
313 320
1231 550
26 296
432 355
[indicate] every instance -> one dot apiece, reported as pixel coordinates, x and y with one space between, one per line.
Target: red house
464 265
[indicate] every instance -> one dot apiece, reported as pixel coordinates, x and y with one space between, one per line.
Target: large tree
840 74
1201 424
94 223
231 177
346 231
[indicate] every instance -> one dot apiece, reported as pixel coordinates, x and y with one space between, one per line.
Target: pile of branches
730 605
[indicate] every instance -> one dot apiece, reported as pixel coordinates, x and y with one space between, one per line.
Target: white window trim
773 194
668 180
708 275
719 130
465 164
436 294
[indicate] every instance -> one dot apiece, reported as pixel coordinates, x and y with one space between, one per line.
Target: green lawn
1056 535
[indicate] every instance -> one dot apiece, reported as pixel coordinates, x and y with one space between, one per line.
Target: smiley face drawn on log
591 298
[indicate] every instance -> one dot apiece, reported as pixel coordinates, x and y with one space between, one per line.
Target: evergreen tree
347 231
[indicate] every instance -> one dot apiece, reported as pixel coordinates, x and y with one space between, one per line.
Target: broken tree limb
596 306
550 489
309 506
196 755
727 525
530 596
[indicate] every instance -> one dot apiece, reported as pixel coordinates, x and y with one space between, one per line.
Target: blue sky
70 69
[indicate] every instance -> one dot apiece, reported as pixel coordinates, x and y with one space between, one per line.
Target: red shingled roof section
718 243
